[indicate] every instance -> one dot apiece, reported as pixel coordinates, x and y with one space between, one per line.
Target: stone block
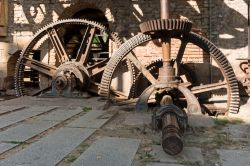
49 150
234 157
109 151
191 154
92 119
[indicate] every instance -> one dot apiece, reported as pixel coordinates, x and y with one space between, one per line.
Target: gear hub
70 76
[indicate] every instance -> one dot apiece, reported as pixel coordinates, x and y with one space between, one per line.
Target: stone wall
223 22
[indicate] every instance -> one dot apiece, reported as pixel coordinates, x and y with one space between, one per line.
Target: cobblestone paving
57 131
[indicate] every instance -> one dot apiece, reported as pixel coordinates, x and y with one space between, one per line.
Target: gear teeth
206 45
166 25
19 83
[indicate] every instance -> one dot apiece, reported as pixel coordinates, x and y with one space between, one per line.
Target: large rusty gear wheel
229 84
141 83
58 47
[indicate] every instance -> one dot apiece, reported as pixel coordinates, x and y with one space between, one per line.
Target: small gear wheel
166 25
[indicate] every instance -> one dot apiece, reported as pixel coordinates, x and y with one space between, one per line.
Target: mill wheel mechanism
74 58
166 87
73 55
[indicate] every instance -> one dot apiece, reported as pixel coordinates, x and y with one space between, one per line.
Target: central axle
166 72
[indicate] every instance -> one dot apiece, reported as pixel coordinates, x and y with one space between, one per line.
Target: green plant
222 122
190 163
87 109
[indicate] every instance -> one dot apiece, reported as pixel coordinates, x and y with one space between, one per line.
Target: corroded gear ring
165 25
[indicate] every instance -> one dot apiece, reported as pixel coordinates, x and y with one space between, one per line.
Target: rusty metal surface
172 121
152 27
166 88
172 142
69 73
165 9
231 85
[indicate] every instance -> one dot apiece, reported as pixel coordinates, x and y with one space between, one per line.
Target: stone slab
237 131
23 132
27 130
162 164
94 102
109 151
200 121
6 109
134 119
51 149
6 146
93 119
191 154
40 108
234 157
14 117
60 114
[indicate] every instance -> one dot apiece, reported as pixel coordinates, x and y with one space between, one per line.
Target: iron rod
165 9
166 42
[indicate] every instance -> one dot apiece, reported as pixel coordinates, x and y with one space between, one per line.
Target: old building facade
222 22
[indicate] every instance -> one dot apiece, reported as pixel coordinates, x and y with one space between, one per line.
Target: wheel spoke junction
46 69
69 59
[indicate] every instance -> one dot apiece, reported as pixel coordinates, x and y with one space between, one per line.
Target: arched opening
73 34
92 14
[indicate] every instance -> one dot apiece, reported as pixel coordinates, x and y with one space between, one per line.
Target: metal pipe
166 72
166 49
166 42
165 9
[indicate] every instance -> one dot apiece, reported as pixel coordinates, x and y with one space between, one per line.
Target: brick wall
223 22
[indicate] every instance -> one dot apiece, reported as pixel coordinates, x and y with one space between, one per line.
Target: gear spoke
41 91
140 67
54 69
118 93
84 50
180 55
208 87
97 68
229 86
39 66
58 46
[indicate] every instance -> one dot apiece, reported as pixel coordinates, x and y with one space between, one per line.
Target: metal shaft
171 135
165 9
166 72
166 42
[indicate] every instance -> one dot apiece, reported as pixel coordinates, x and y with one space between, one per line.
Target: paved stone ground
58 131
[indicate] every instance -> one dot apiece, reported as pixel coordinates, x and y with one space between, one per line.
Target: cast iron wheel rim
42 35
230 82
